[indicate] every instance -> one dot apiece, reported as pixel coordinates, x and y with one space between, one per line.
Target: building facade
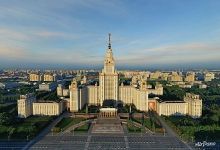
28 105
48 77
35 77
175 77
190 77
25 105
194 104
109 89
61 91
47 86
49 108
209 76
137 93
191 105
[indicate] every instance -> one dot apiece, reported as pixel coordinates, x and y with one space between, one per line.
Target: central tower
108 78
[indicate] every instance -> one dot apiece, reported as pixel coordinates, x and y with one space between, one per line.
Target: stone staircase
107 125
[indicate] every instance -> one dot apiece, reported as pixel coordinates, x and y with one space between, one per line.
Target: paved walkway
109 142
107 125
96 141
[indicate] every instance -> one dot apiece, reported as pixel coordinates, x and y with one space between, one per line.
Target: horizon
73 34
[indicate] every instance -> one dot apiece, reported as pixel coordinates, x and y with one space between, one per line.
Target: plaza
109 133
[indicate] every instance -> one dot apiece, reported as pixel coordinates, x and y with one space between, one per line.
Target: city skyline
72 34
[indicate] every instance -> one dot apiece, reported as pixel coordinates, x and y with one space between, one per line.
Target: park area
67 122
190 129
24 129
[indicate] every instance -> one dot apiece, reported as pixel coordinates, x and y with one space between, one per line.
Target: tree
10 132
214 118
31 130
153 126
5 118
173 93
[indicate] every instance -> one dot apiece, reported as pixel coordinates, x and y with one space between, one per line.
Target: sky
145 33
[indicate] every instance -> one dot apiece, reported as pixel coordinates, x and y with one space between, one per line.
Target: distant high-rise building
35 77
209 76
110 90
155 75
48 77
175 77
190 77
61 91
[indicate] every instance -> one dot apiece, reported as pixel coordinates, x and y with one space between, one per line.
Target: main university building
109 89
136 93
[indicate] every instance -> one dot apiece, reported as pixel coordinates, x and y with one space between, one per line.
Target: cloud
182 53
6 33
189 47
113 7
33 34
53 56
7 52
53 34
50 34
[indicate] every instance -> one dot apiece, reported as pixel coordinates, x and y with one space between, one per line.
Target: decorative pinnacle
109 41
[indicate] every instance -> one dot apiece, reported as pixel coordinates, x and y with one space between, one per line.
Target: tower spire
109 41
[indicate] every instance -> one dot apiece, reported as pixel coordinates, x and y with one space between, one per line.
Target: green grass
149 123
132 128
26 127
196 131
67 122
7 108
83 128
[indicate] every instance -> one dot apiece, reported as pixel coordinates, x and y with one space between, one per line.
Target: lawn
83 128
23 128
132 128
193 129
67 122
150 124
7 108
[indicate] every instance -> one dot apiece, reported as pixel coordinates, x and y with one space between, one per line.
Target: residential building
35 77
48 77
190 77
209 76
175 77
